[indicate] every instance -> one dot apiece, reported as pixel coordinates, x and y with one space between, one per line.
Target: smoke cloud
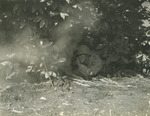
27 48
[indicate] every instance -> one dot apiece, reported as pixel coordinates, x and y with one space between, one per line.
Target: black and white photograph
74 58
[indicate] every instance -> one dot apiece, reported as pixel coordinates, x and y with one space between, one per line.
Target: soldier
88 63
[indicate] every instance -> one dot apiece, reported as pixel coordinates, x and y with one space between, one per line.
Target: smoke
69 32
28 49
22 48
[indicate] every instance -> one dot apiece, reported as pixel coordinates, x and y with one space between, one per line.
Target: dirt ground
102 97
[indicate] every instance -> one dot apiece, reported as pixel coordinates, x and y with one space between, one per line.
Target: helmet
83 49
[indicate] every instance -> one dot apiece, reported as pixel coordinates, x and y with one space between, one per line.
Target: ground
103 97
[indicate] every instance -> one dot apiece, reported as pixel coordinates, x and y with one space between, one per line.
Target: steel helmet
83 49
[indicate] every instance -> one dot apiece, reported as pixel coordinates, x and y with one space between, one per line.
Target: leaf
148 33
15 8
77 6
41 64
5 63
62 60
43 98
22 25
42 0
17 112
63 15
46 23
50 73
124 59
42 23
53 13
68 1
54 74
46 75
43 73
29 69
49 3
38 19
9 76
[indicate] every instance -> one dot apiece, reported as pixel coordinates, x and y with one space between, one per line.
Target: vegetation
113 28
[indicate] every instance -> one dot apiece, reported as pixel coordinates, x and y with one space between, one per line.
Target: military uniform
90 66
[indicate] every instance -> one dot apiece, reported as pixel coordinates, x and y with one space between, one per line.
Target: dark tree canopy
113 28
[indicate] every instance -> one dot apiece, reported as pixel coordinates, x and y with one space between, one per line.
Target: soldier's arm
97 66
94 69
84 70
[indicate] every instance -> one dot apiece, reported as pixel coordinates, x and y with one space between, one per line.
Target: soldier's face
83 58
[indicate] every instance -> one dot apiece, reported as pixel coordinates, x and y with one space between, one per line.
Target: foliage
120 33
114 28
